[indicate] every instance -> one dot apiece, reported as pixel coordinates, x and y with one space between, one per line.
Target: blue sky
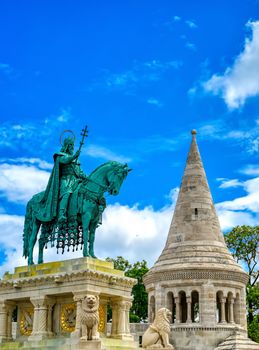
141 75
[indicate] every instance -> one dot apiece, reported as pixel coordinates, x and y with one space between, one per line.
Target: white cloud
191 24
6 68
250 169
247 138
11 241
228 219
176 18
29 136
96 151
155 102
131 232
140 73
190 46
42 164
248 202
226 183
11 228
64 116
18 183
240 81
242 210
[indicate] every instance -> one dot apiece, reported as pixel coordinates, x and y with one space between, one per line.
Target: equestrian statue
70 209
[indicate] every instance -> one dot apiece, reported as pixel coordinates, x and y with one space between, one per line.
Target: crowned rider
63 181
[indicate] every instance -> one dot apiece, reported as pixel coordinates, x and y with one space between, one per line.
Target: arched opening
170 304
195 309
219 298
152 308
183 307
237 309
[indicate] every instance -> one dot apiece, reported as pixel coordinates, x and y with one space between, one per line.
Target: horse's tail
27 229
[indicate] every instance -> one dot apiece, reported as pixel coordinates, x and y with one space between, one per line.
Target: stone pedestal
89 344
156 348
52 293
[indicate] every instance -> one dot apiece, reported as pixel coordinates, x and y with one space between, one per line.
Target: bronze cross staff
84 134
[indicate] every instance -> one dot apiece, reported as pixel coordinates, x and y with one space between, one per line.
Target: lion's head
90 302
162 319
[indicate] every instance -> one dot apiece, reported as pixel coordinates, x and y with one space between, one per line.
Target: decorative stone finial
194 132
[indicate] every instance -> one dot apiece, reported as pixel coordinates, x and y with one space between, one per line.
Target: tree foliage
243 242
139 309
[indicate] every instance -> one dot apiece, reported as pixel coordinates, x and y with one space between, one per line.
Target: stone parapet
194 273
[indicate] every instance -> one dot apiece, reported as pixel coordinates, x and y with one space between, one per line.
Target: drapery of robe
48 206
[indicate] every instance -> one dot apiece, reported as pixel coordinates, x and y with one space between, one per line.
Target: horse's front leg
92 228
35 229
41 246
86 217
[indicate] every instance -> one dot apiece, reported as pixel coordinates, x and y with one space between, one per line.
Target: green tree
139 307
243 242
120 263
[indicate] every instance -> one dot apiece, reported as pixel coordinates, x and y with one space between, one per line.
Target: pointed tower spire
194 236
195 269
195 218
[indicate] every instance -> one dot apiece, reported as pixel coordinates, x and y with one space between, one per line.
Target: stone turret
195 276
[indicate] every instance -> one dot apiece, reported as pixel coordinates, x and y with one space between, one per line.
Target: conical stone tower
195 276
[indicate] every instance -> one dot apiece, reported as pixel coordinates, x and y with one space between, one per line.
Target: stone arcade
195 276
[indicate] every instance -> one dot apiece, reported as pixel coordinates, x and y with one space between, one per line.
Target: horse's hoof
86 255
93 256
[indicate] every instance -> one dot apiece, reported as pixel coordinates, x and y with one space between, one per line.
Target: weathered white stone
195 275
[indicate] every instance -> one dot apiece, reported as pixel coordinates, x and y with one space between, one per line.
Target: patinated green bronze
71 207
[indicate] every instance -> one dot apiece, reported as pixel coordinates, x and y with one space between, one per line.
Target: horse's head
116 176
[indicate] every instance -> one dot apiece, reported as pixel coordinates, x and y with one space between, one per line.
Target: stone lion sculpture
157 334
90 317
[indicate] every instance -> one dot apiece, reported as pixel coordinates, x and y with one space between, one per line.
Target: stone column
121 329
39 330
78 301
3 322
49 318
189 309
151 308
160 298
10 306
177 310
121 319
128 305
222 310
231 310
242 310
114 306
207 305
